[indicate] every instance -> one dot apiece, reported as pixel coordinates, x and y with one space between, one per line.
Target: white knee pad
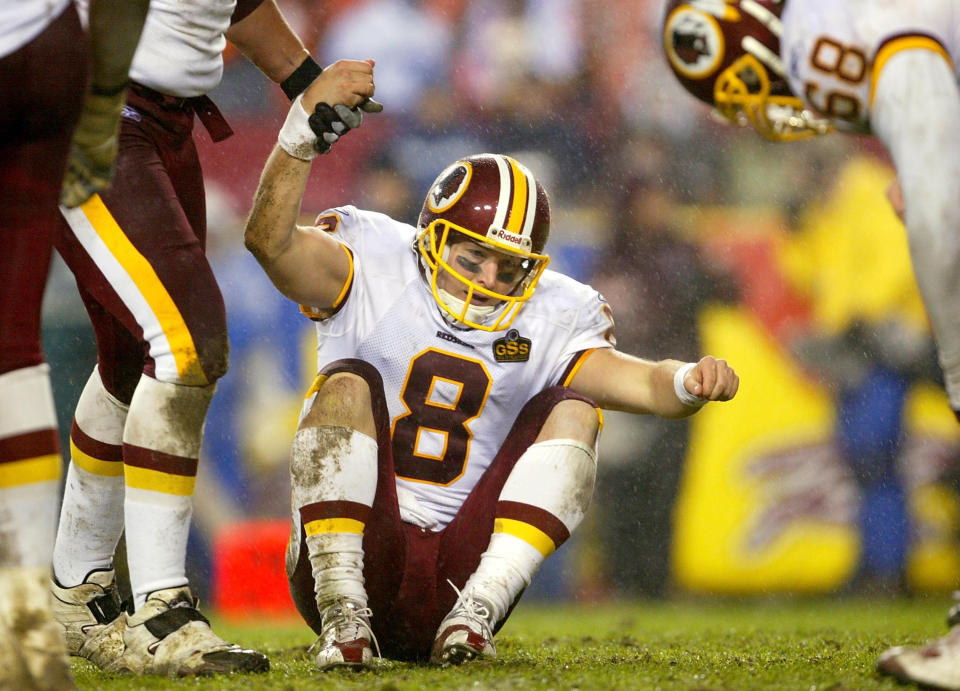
26 401
557 476
99 414
168 417
333 464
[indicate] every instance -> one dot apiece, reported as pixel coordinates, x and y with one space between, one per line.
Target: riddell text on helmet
508 237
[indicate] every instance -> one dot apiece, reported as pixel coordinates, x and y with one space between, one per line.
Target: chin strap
475 313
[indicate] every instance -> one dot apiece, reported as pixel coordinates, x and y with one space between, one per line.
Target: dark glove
330 123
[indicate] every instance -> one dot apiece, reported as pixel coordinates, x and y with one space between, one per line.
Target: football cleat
91 616
32 651
935 665
345 637
168 636
464 634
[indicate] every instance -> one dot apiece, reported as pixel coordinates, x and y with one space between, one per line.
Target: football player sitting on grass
449 442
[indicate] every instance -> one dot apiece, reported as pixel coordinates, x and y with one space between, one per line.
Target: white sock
542 503
336 561
30 467
91 518
334 475
161 447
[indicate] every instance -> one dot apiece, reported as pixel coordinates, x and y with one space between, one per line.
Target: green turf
809 644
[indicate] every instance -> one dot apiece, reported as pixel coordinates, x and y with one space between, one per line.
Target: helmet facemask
434 243
742 95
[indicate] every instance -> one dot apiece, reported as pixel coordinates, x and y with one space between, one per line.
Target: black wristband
301 78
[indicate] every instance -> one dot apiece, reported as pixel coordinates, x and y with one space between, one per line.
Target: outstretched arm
305 264
617 381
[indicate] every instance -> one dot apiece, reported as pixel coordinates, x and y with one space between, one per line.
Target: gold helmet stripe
531 210
520 201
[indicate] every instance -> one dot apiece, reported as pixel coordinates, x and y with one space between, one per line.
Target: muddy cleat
935 665
168 636
345 638
92 617
32 651
464 634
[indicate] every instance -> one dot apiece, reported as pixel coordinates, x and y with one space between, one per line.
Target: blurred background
835 468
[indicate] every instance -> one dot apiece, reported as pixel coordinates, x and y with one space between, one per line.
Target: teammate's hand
712 380
349 82
329 124
93 149
347 85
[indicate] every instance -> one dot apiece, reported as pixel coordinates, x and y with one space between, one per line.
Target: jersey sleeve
592 328
367 237
331 222
342 222
897 44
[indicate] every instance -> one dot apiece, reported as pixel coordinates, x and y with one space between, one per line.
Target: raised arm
266 40
305 264
617 381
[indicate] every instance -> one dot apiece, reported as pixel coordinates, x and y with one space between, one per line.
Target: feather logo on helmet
451 185
693 41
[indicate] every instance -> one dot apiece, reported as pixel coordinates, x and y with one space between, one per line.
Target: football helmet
494 201
727 54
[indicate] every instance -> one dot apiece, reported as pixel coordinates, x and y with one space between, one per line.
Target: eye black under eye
510 272
471 266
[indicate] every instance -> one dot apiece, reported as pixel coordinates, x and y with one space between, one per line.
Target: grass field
809 644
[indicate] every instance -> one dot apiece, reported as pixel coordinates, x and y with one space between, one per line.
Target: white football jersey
180 49
24 20
452 394
835 50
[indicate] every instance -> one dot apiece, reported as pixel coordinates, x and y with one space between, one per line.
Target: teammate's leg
86 597
41 88
137 252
